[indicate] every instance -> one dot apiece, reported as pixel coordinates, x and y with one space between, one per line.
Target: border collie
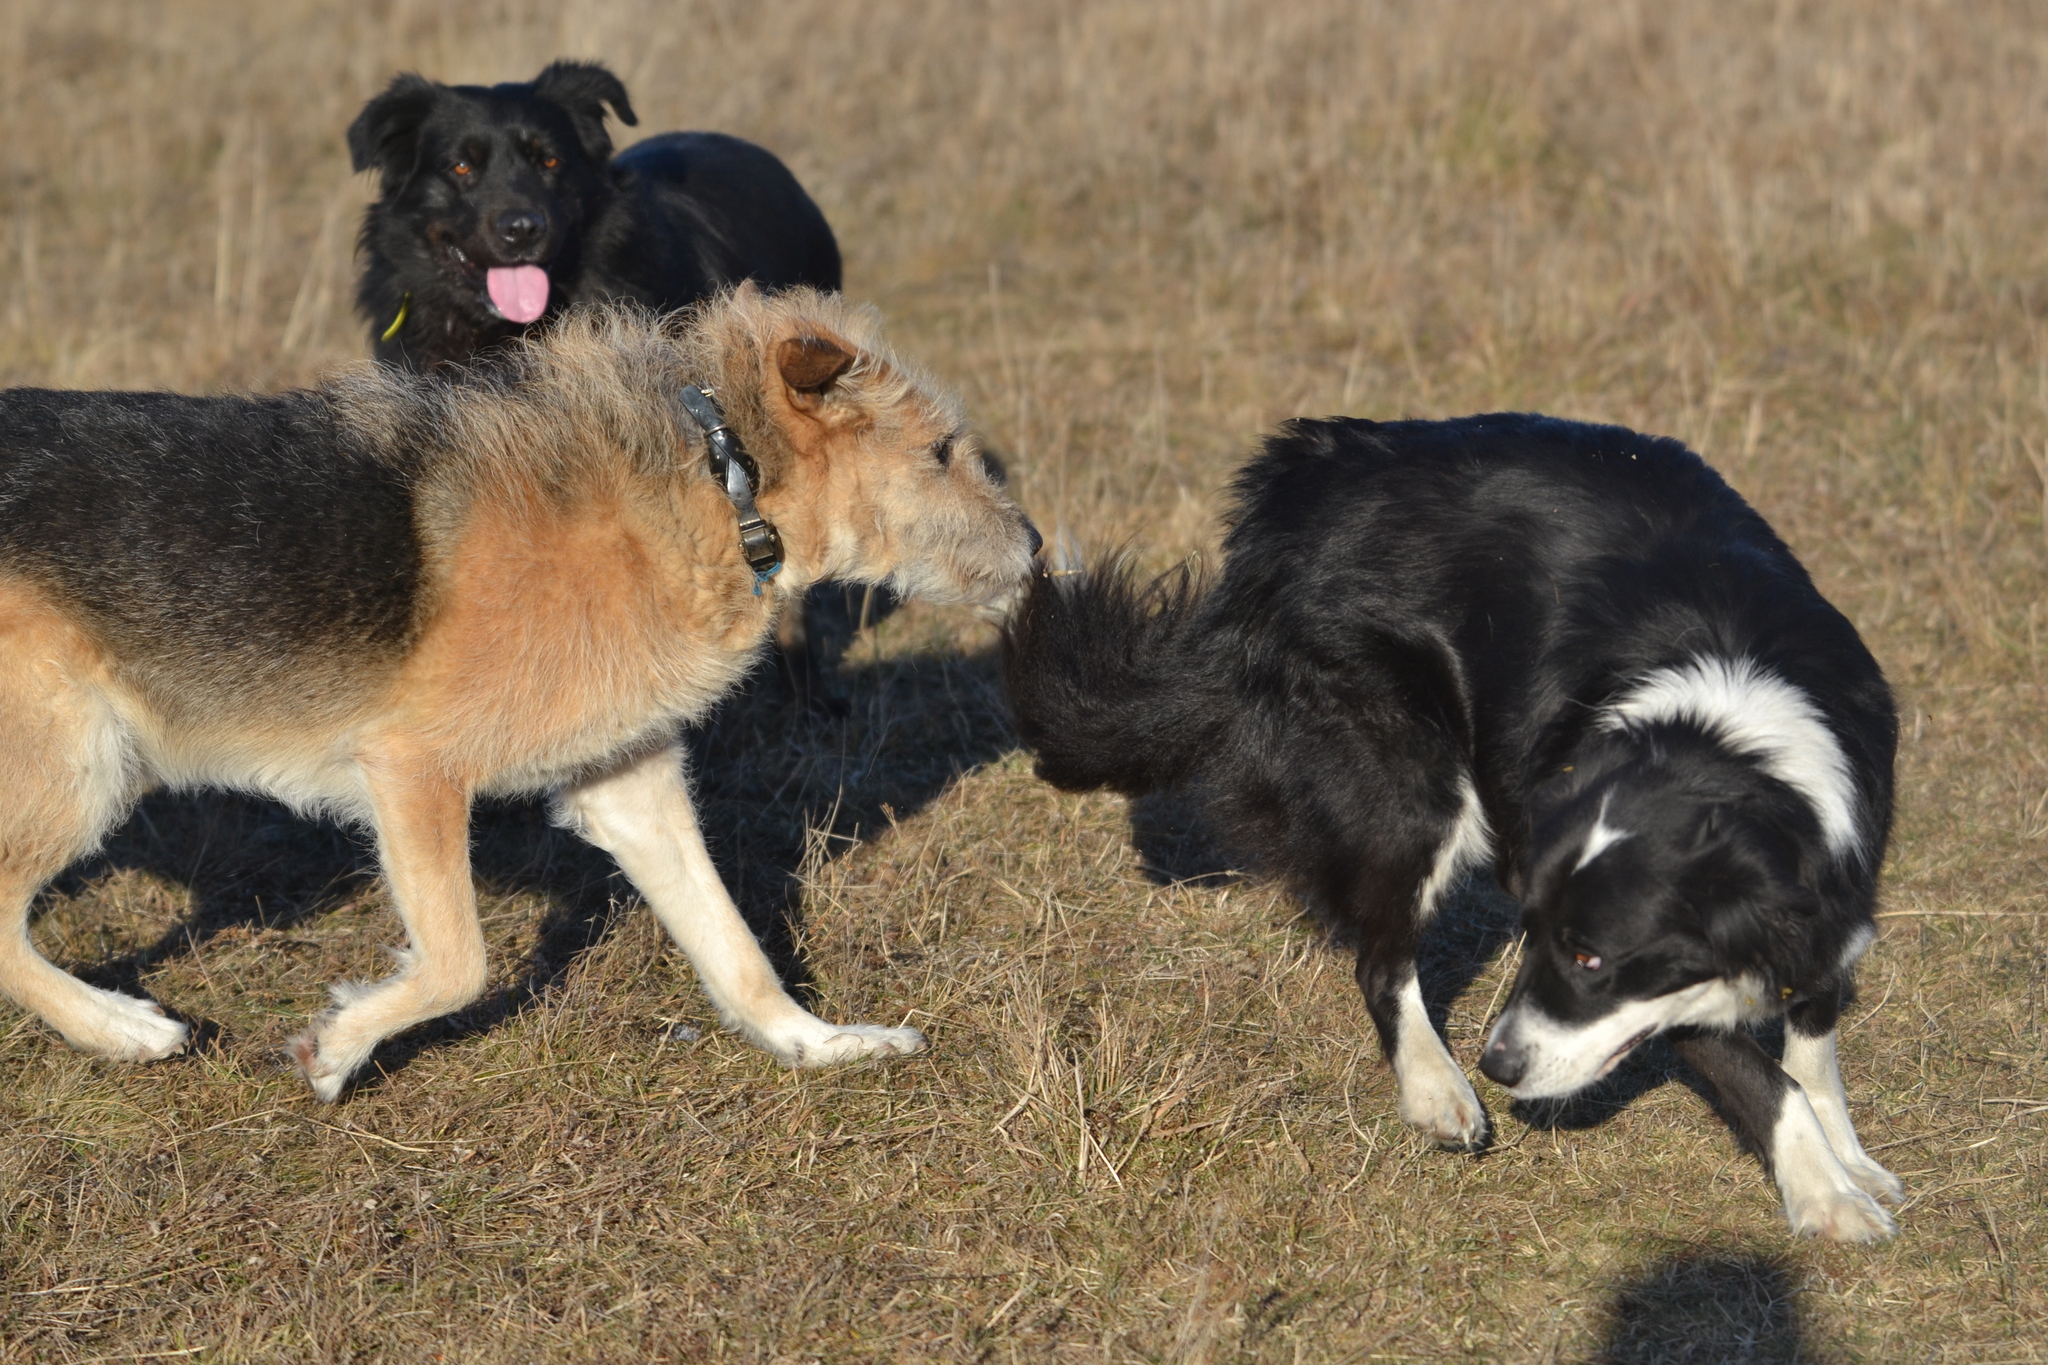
1569 651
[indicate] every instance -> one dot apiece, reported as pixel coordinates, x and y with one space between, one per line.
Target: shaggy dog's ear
811 365
386 134
584 89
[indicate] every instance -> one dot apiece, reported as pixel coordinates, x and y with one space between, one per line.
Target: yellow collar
404 307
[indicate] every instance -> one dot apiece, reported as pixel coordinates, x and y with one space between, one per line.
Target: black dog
1571 651
502 204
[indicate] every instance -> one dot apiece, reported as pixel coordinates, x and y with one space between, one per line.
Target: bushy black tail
1098 671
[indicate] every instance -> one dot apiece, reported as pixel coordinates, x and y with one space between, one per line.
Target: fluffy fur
522 174
1569 651
384 597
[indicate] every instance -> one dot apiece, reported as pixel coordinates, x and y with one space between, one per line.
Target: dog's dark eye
460 168
942 450
1590 961
548 163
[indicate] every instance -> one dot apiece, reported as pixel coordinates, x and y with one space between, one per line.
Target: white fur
1436 1096
641 814
1603 837
1820 1196
1757 714
1467 844
120 1026
1859 943
1812 1062
1561 1058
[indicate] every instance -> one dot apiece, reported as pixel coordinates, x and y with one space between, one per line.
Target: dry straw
1805 237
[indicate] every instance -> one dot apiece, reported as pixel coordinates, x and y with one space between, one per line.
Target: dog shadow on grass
769 777
1693 1308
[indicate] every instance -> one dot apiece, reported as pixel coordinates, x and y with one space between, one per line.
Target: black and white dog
1568 650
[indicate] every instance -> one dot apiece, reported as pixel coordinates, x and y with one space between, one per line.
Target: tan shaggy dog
384 597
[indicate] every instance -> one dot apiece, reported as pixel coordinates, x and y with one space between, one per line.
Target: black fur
665 223
232 534
1408 607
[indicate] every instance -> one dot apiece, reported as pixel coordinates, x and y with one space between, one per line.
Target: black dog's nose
521 228
1037 540
1502 1064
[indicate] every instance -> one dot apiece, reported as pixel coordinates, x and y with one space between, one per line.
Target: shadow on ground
1695 1309
771 777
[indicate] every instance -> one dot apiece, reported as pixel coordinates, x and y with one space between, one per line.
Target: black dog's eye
460 168
1590 961
548 163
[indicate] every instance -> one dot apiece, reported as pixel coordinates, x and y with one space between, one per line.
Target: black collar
732 466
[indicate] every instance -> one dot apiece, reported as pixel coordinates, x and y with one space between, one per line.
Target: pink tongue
520 291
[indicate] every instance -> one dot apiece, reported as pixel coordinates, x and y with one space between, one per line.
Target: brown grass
1806 237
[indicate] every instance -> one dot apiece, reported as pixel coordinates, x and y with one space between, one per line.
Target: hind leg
422 819
65 774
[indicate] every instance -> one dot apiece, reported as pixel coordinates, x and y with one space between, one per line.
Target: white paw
129 1029
835 1043
1441 1104
1846 1215
325 1073
1873 1179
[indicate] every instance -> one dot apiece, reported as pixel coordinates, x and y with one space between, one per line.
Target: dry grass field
1809 237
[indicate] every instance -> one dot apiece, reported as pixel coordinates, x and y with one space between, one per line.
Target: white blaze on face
1560 1058
1603 837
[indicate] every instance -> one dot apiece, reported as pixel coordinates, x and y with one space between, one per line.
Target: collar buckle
732 466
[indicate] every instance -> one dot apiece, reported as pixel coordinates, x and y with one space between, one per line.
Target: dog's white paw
325 1073
1440 1103
831 1044
127 1028
1873 1179
1845 1215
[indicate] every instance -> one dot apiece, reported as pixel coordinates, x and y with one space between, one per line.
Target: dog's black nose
1503 1065
521 228
1037 540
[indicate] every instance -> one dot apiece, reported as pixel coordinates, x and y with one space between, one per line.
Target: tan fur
585 595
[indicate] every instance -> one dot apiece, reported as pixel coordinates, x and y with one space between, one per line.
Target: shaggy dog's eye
1590 961
942 450
460 168
548 163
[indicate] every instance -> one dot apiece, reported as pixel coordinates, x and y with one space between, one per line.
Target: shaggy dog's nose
1037 540
521 228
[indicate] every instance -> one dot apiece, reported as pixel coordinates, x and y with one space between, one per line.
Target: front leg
422 820
640 813
1772 1111
1810 1060
1435 1095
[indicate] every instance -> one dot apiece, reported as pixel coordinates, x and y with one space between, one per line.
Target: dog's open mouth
517 293
1622 1052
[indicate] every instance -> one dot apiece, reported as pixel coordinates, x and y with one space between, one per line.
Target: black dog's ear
386 133
584 89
